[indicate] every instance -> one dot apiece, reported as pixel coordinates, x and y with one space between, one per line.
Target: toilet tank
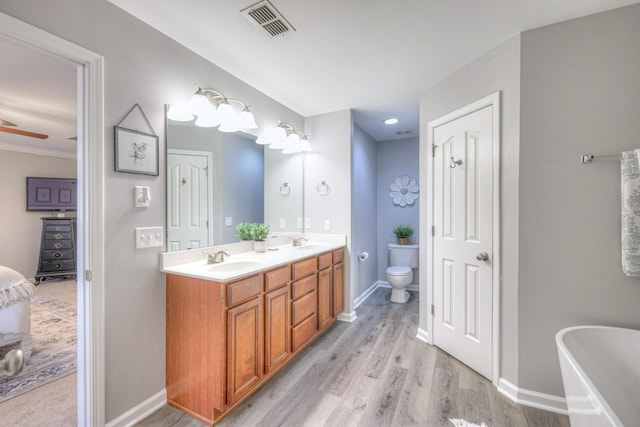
404 255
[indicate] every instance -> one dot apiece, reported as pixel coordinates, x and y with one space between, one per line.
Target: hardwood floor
374 372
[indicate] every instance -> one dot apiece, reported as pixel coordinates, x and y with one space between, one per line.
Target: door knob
482 256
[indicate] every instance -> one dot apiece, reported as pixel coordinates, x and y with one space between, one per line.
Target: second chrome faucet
216 257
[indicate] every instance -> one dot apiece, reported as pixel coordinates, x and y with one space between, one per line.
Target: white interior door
463 238
187 200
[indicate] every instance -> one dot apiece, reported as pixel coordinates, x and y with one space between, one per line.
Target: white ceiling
372 56
38 94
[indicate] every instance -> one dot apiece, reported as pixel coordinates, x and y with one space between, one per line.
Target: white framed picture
136 152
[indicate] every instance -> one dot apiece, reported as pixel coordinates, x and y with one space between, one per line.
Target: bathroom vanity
231 326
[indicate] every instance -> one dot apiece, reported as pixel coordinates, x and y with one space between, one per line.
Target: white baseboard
347 317
141 411
535 399
423 335
412 287
366 294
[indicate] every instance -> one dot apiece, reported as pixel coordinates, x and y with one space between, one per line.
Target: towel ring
285 190
323 188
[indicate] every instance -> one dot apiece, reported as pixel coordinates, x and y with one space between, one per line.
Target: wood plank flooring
374 372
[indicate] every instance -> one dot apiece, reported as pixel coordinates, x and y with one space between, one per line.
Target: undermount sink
232 266
309 247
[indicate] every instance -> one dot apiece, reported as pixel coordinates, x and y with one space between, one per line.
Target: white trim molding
423 335
90 239
347 317
535 399
37 151
141 411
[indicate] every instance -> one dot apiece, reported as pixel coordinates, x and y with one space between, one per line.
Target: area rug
54 339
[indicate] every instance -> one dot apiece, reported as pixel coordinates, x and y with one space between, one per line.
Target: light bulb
277 138
208 119
199 104
262 140
178 114
247 121
231 123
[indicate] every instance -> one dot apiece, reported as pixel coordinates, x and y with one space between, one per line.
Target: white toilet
403 258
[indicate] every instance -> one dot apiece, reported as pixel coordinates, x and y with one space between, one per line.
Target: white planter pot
259 246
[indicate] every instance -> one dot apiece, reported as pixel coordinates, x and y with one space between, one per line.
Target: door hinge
433 230
433 150
433 310
207 223
87 275
206 170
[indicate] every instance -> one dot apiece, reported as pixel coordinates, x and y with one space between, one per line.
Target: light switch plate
142 196
149 237
307 223
327 225
300 223
228 221
282 224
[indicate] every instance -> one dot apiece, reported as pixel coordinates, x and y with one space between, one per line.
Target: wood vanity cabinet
224 340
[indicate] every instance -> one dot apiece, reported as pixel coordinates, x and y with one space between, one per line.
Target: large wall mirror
216 180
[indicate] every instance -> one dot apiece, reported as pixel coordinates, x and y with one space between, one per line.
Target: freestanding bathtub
601 375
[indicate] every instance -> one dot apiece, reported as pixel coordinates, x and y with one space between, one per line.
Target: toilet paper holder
363 256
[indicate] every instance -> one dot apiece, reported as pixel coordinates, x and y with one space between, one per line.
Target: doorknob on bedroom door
482 256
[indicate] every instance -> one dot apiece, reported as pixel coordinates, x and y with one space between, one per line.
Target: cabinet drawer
303 308
338 255
325 261
303 268
53 255
57 236
302 333
65 265
56 244
58 222
277 278
54 228
243 290
303 287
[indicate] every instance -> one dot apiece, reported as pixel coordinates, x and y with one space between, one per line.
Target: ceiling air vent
404 132
264 15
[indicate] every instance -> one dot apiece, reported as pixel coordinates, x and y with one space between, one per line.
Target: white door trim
209 156
491 100
91 391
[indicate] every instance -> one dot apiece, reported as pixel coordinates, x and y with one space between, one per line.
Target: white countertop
245 262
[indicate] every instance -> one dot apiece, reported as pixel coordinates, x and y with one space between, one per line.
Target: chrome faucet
216 257
297 241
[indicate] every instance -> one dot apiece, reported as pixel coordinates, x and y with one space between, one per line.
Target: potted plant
403 234
259 233
244 230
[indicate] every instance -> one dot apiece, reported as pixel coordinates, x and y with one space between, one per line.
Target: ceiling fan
6 126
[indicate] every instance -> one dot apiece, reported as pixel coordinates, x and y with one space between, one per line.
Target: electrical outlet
300 223
228 221
327 225
282 224
149 237
307 223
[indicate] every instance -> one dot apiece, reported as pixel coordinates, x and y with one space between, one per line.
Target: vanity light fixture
214 109
391 121
287 138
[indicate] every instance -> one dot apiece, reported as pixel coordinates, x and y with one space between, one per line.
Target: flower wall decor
404 191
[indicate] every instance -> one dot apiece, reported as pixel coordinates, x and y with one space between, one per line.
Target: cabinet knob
57 245
57 255
58 236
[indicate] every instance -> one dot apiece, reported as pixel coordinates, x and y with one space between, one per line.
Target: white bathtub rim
584 378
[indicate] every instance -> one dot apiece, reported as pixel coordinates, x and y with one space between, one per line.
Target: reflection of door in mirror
188 200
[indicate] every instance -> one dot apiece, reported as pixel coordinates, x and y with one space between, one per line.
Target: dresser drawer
63 265
303 308
53 255
325 261
57 236
277 278
58 222
303 287
338 256
243 290
54 228
302 333
56 244
304 268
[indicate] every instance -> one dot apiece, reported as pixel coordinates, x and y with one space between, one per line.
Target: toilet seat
398 270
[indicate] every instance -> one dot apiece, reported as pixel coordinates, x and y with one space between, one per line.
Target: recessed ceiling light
391 121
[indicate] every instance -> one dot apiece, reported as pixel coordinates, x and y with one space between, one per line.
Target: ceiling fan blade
23 132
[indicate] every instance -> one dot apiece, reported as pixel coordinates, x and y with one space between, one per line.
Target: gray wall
580 95
364 215
396 158
497 70
145 67
21 230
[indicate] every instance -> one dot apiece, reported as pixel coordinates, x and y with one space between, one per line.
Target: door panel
463 203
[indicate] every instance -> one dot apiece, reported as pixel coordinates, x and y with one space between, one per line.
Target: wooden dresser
226 339
57 249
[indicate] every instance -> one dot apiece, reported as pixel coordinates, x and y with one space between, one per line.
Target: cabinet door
325 312
244 348
338 289
277 337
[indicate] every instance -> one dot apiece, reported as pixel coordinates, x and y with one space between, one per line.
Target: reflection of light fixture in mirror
213 109
287 138
179 114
